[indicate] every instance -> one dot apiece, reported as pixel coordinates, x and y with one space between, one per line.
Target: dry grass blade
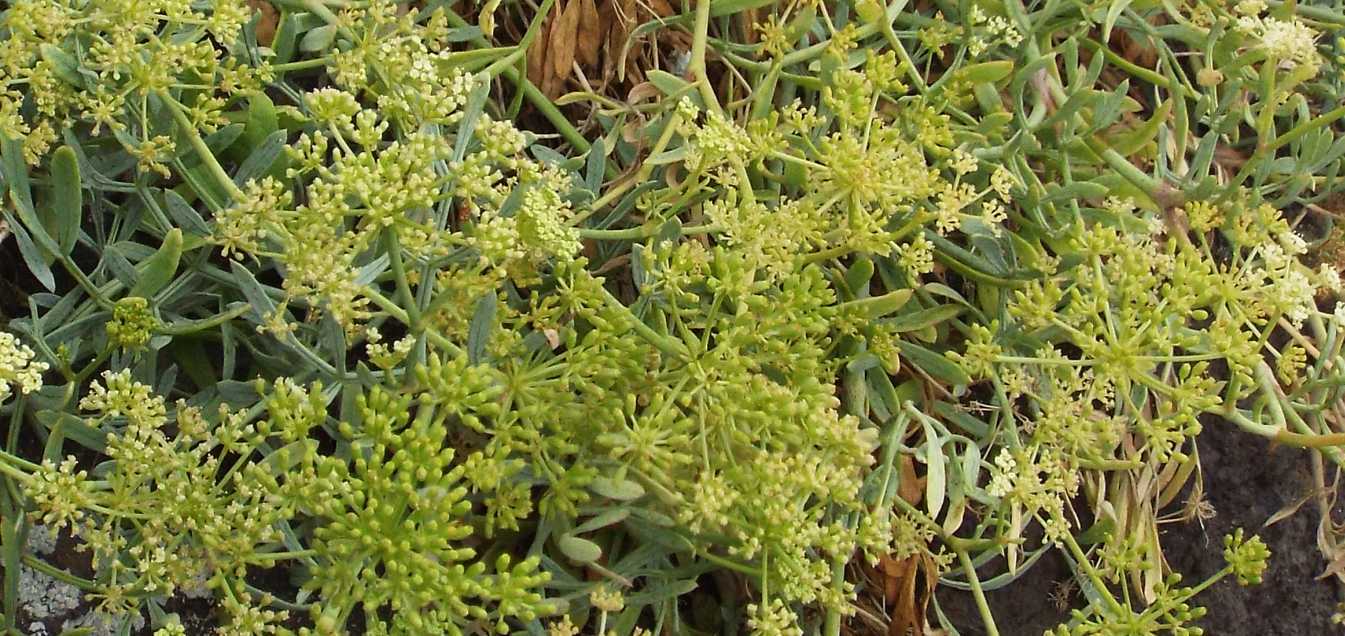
1292 507
1335 568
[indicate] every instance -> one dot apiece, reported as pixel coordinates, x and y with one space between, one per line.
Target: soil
1246 481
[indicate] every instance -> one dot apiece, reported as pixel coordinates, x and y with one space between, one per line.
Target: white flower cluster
991 31
1002 481
17 368
1292 44
1290 288
124 397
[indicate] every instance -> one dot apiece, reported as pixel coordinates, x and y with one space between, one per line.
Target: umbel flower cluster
332 316
99 62
19 373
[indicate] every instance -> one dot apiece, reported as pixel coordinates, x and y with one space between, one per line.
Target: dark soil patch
1246 481
1039 600
15 279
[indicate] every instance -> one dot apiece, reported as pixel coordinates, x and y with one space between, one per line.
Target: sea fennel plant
348 326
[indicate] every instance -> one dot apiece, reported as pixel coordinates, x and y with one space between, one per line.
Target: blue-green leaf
33 257
318 39
261 159
596 165
183 214
483 322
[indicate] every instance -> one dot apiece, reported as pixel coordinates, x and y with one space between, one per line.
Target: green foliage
876 283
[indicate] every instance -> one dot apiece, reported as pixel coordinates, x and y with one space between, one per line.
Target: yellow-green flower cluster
101 62
132 323
360 193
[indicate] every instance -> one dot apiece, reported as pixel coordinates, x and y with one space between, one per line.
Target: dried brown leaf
266 24
590 36
564 38
625 19
661 8
537 66
1229 158
630 132
1139 51
1186 470
907 601
912 488
642 92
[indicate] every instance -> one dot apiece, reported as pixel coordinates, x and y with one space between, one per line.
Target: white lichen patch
41 539
42 596
45 600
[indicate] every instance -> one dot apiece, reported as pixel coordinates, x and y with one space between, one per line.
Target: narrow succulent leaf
936 479
579 549
158 270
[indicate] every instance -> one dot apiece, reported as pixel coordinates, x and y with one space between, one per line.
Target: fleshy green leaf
319 39
158 270
578 549
935 479
618 489
67 199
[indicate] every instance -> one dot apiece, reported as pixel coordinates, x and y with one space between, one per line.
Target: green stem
400 314
1064 362
272 557
1306 440
1151 187
521 48
643 231
399 274
665 344
1128 66
193 326
730 564
300 65
14 473
696 67
1210 581
833 620
387 305
1111 464
57 573
1082 560
94 364
194 137
981 604
1304 128
827 254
